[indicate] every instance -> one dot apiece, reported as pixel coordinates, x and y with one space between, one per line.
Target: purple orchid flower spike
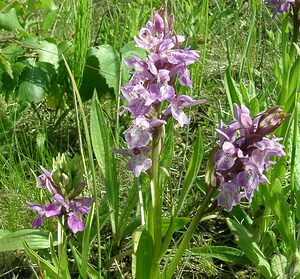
152 86
245 153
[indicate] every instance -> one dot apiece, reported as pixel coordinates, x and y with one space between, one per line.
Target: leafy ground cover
62 67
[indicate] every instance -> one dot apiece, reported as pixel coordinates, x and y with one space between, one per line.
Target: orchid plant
246 150
245 146
62 185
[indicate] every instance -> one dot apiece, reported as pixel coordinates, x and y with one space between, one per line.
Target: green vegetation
61 70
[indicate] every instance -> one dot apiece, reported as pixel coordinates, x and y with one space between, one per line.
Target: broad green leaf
192 171
30 92
12 241
55 97
250 248
92 79
9 21
102 146
227 254
34 83
143 250
4 233
108 64
12 52
278 265
48 52
130 48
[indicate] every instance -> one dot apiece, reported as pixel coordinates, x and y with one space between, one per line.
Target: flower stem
156 201
189 233
296 23
141 202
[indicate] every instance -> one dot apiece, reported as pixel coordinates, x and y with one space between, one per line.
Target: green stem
189 233
296 23
156 201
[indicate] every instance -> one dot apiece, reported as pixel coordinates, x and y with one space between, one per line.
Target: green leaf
166 157
143 250
128 49
12 241
51 271
54 257
102 146
91 271
9 21
231 89
86 242
92 80
30 92
278 265
178 223
12 52
108 64
49 20
6 65
223 253
61 271
250 248
48 52
282 214
130 203
254 106
34 84
192 171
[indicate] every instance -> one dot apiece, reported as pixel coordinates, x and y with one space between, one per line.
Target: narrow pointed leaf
192 171
250 248
51 271
102 146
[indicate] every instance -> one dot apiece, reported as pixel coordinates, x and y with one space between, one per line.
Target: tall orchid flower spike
244 154
152 87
